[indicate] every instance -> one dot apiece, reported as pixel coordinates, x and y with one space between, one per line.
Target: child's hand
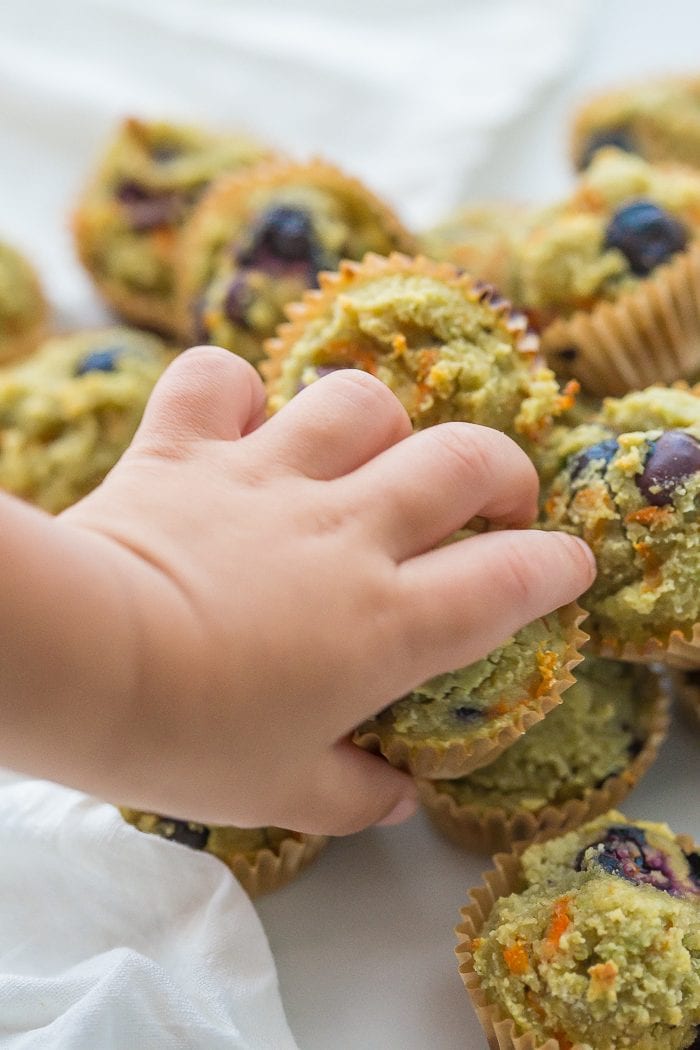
238 595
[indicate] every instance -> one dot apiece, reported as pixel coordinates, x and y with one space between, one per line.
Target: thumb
351 790
206 392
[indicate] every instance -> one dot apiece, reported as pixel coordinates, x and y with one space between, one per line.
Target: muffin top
600 726
471 714
634 498
625 218
257 241
601 947
659 119
69 410
448 347
128 219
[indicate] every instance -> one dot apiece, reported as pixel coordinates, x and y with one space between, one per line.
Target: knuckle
466 455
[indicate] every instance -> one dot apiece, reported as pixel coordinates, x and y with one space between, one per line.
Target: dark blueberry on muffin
646 235
186 832
673 457
239 299
468 714
600 454
99 361
620 137
147 210
283 237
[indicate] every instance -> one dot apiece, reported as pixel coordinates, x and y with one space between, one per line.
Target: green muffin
128 221
459 721
449 348
23 308
262 859
257 242
659 119
634 498
583 758
69 411
594 942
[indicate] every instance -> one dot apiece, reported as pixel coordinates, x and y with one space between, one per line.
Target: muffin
449 347
658 119
128 221
23 308
462 720
258 240
69 411
590 423
479 239
582 760
589 941
634 498
262 859
611 276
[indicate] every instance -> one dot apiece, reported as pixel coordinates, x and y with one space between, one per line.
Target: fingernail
589 554
401 811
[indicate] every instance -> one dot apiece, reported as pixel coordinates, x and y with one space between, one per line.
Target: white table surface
364 940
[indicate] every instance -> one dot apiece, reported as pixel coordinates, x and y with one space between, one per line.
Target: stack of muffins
585 356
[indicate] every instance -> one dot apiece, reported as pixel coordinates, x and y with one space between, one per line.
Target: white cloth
111 939
115 940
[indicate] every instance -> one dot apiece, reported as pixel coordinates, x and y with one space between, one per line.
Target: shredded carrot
649 516
547 662
516 959
561 920
651 563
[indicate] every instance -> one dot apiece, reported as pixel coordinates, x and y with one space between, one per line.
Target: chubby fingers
462 601
420 491
333 426
206 392
349 790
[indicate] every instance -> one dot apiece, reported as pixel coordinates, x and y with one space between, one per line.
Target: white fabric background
110 939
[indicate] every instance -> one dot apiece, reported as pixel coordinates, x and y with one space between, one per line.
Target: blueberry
147 210
620 852
646 235
567 354
694 865
468 714
602 454
283 236
186 832
238 301
99 361
675 456
162 153
620 137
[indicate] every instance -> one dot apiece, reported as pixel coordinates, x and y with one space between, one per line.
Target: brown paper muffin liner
649 335
316 302
679 649
503 879
267 870
490 829
225 206
434 760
